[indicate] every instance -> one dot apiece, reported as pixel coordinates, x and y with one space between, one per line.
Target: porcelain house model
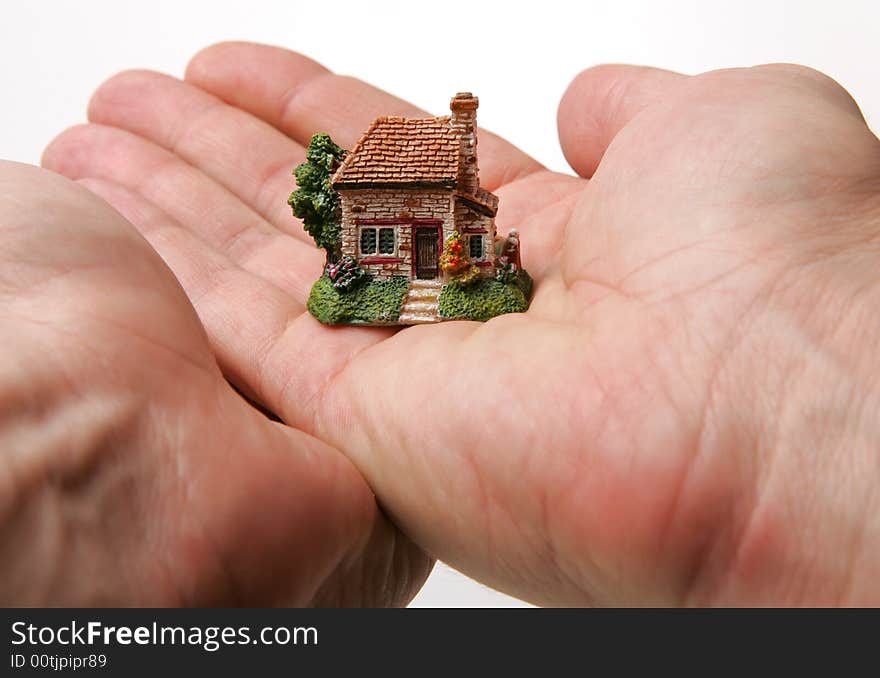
407 185
409 232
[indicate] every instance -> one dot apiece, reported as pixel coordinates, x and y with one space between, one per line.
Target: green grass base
485 298
372 303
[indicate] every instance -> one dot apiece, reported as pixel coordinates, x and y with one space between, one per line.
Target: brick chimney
464 120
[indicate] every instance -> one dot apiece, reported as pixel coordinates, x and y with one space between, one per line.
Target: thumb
600 102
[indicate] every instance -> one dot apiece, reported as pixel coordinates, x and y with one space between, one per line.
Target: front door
426 252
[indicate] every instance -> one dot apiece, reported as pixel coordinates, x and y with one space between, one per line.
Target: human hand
132 472
687 413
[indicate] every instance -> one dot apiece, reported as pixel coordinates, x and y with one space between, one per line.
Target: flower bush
345 274
470 275
507 272
455 263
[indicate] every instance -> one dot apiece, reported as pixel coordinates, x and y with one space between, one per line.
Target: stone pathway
420 303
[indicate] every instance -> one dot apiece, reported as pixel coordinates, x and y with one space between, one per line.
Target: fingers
265 344
207 275
190 198
258 79
600 102
248 157
300 97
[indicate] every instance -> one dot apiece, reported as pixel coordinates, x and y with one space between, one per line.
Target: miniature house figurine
412 217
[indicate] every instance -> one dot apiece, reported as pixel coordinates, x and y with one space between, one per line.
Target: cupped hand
687 414
132 472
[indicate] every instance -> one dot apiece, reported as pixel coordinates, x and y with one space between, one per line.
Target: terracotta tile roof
415 151
481 199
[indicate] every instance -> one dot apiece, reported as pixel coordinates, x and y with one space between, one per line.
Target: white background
518 57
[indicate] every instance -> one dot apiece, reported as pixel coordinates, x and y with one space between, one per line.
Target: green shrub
525 283
485 298
315 201
377 301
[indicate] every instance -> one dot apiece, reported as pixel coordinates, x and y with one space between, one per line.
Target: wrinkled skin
689 413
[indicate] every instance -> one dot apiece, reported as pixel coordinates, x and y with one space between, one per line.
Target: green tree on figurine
315 201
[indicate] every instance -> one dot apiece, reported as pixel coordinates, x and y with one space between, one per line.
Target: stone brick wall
399 204
464 121
469 221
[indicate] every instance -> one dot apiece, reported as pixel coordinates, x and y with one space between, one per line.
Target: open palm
656 427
